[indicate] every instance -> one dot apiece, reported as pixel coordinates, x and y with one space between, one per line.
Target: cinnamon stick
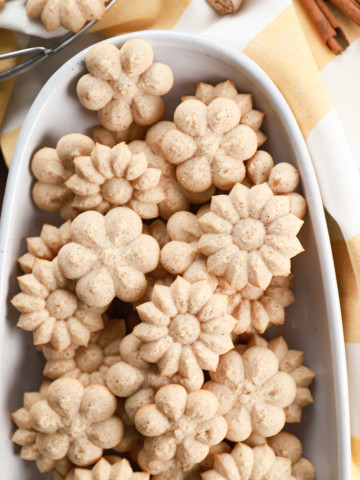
326 25
351 8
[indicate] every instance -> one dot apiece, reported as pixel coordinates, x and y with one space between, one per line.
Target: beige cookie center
89 359
249 234
110 256
184 329
76 428
61 304
184 429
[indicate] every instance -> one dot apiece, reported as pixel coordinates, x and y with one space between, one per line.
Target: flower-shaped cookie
108 468
208 145
291 362
175 199
262 462
174 469
287 445
108 256
181 426
116 177
184 328
70 14
206 93
256 309
179 248
46 246
88 364
107 137
179 253
249 236
252 392
52 167
67 420
124 85
283 179
51 310
138 380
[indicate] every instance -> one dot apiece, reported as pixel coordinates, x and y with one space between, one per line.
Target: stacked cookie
193 227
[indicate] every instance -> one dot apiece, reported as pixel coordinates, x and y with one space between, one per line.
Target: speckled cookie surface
72 15
249 236
184 328
51 310
67 420
179 425
108 256
124 85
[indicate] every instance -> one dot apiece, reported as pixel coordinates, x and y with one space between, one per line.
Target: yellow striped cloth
319 87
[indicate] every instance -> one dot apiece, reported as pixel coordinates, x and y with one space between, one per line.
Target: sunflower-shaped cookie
263 462
88 364
124 85
184 328
51 310
290 362
138 380
67 420
46 246
181 426
52 167
256 309
108 468
206 93
70 14
252 392
249 236
208 145
108 256
117 177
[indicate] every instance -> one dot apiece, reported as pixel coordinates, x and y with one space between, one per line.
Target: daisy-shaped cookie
180 251
252 392
108 256
174 469
124 85
282 178
108 468
179 248
184 328
66 419
256 309
52 167
177 199
46 246
208 145
249 236
262 462
51 310
88 364
181 426
70 14
138 381
287 445
251 117
117 177
291 362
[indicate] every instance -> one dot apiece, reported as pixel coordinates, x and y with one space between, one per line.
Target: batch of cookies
149 302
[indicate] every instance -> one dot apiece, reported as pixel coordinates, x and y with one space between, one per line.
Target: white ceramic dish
313 323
